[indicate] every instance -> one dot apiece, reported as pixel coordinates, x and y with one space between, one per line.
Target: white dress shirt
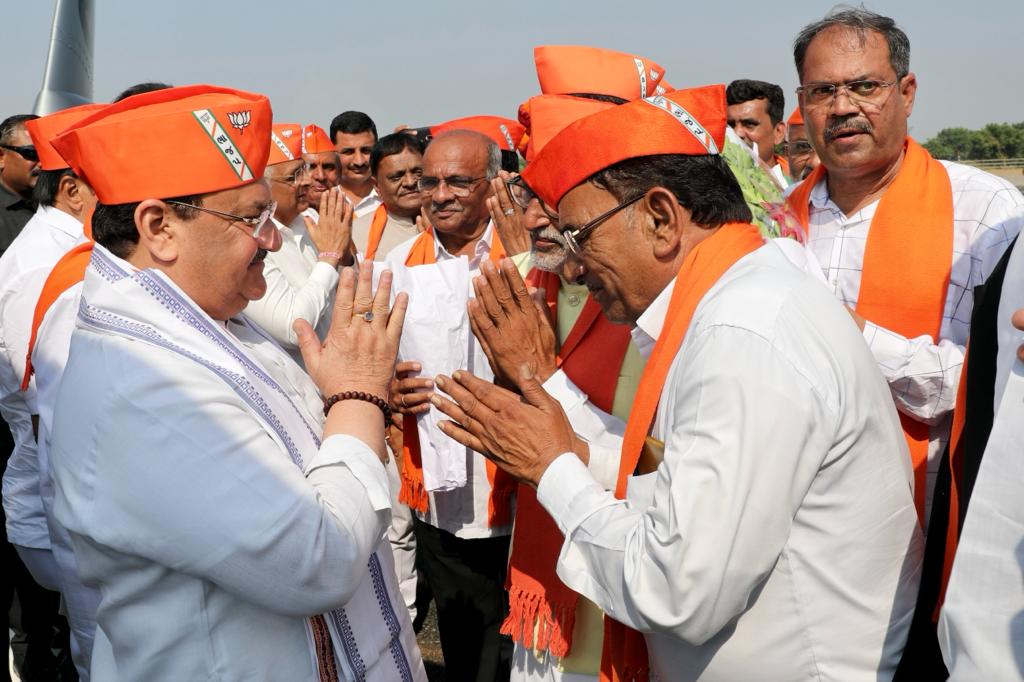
209 545
753 551
988 212
462 511
24 267
367 204
298 286
981 629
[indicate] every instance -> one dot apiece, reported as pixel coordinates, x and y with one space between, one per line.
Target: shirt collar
821 200
59 220
482 248
371 198
649 325
9 199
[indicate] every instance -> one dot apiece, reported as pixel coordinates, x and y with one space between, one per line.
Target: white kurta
753 552
461 511
24 268
981 629
397 230
298 286
210 547
988 212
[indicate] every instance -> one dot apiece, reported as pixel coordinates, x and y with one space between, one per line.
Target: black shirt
15 211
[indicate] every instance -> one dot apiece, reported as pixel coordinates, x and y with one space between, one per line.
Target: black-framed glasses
294 177
26 151
258 227
870 93
521 195
574 237
459 185
800 148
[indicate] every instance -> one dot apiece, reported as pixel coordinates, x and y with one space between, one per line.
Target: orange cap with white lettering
546 115
315 140
690 122
505 132
285 143
569 69
168 143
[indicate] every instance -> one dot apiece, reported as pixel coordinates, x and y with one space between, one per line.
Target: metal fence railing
993 163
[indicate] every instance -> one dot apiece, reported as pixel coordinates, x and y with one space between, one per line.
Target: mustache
446 206
850 125
261 255
549 233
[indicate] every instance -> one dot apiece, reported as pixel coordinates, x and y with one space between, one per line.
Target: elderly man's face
289 187
354 150
799 152
18 173
613 257
752 123
856 135
396 180
457 162
219 264
324 173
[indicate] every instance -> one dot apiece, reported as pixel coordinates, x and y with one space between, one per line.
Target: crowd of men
645 382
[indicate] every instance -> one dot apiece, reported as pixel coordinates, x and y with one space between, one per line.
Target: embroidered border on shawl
348 642
387 609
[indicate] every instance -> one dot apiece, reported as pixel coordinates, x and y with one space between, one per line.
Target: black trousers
467 578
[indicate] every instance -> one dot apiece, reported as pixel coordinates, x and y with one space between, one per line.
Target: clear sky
430 61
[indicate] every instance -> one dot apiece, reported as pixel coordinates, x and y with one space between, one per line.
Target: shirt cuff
562 482
889 349
357 457
324 275
560 387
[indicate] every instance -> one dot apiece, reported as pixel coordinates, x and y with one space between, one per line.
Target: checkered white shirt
988 212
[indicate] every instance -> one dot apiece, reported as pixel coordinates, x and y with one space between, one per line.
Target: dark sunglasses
27 152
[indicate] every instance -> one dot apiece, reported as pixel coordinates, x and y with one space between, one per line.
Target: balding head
456 170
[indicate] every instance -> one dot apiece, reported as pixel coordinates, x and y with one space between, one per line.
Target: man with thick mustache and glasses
463 523
903 240
396 164
303 274
229 506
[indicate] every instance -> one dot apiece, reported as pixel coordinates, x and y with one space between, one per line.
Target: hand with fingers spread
410 394
513 328
332 236
358 353
507 217
522 435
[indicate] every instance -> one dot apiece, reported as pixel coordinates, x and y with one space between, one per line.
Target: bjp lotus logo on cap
240 119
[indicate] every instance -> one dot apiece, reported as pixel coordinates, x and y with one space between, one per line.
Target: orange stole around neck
542 609
69 271
380 220
624 656
907 262
413 492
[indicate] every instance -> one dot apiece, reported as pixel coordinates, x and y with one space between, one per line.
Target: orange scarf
380 219
591 356
69 271
624 658
781 161
413 493
907 261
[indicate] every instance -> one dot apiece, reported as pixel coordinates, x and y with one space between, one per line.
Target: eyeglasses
522 195
27 152
294 178
800 148
863 93
259 227
459 185
574 238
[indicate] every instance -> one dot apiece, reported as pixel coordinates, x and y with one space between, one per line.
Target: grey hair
862 21
10 125
493 160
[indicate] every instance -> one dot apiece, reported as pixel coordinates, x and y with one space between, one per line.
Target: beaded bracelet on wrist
359 395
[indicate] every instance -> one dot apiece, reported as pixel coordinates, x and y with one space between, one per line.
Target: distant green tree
994 141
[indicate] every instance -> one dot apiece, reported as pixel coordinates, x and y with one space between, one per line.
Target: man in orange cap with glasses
800 152
303 274
759 421
230 508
